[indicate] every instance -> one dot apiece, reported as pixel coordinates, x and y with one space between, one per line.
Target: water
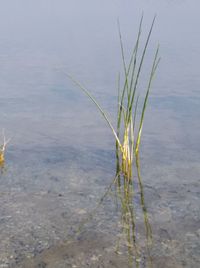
61 156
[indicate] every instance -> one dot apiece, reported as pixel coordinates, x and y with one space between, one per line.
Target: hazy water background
60 144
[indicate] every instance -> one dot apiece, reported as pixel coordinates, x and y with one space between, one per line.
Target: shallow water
61 156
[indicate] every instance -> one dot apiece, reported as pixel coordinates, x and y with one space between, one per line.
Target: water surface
61 157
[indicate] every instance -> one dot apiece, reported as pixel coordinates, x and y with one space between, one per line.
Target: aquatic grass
127 135
129 130
128 101
3 149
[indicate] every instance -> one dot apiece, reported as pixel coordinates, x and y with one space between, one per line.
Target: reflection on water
2 168
126 198
135 242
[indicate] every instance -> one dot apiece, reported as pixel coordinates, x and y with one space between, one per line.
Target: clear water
61 155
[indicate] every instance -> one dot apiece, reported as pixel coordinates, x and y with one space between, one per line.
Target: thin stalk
134 64
98 106
153 69
127 71
140 67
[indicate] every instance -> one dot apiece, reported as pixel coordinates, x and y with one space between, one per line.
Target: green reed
129 131
128 99
3 149
127 135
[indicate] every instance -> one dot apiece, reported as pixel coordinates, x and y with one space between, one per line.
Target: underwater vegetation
127 135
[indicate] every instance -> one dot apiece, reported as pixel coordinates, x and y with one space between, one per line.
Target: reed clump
127 135
130 119
3 149
128 99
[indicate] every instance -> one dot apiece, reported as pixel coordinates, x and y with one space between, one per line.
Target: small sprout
2 149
